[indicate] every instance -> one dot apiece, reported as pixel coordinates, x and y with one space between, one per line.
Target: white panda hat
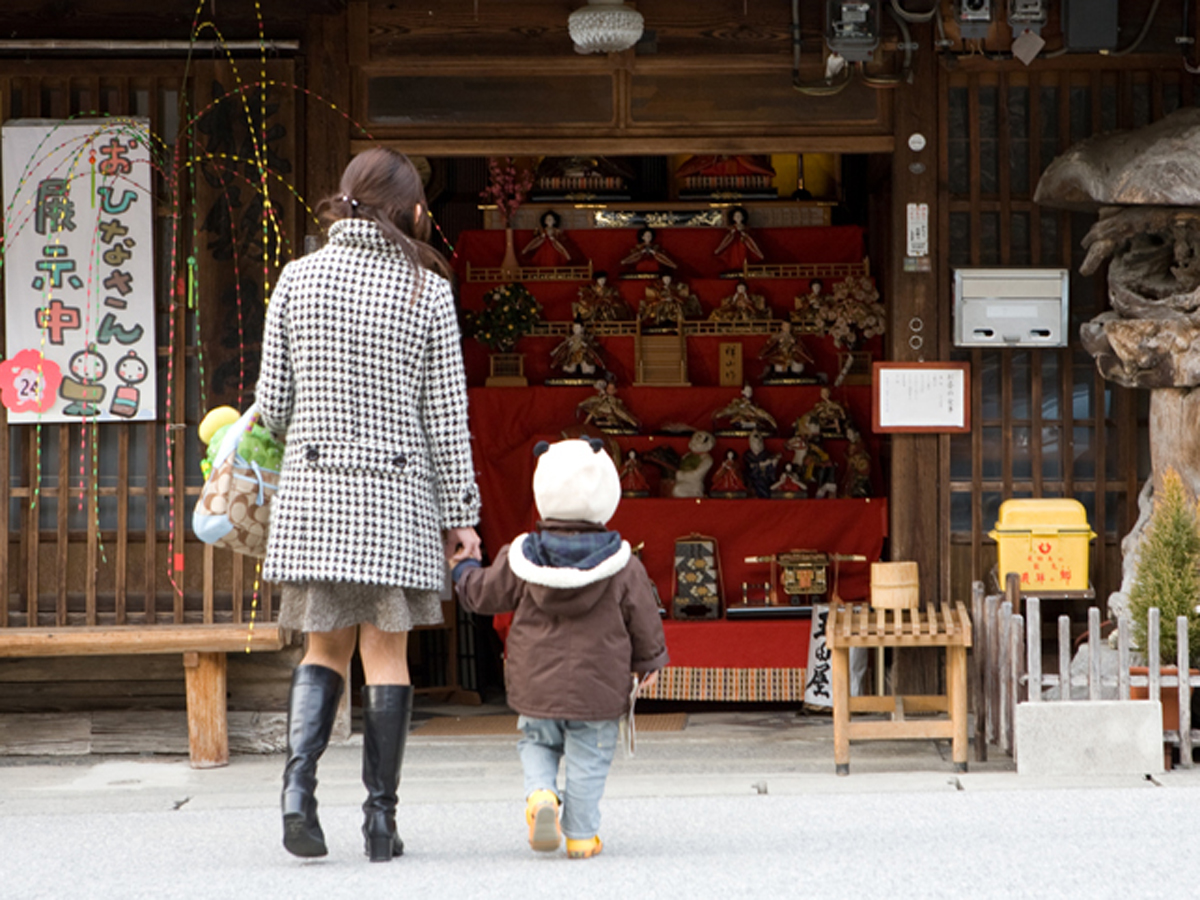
575 480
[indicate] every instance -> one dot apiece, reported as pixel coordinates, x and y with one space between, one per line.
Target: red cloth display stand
712 659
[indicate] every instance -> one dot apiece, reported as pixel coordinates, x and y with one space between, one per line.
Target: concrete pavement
737 805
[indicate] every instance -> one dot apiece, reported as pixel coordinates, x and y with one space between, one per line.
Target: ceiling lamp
604 26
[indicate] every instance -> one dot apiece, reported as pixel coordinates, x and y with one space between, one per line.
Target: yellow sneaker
541 813
584 848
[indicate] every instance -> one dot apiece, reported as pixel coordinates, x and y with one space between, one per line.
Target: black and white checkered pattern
367 381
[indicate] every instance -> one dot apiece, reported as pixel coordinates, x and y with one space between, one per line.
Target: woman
362 369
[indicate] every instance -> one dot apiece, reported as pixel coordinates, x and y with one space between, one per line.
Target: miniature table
858 626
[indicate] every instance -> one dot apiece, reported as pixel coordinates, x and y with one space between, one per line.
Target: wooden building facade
96 516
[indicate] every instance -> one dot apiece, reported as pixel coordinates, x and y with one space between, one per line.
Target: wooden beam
120 640
630 145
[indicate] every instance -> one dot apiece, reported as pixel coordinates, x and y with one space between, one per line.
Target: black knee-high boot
386 713
312 707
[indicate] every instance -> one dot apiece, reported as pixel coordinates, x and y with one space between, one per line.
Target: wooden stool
858 626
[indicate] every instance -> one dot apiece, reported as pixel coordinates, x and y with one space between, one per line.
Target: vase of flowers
852 314
509 313
508 186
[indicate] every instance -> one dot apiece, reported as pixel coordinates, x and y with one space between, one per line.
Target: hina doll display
786 358
727 479
759 464
789 486
549 244
744 416
857 480
830 417
633 476
600 302
606 411
667 303
693 466
577 357
741 306
647 259
737 246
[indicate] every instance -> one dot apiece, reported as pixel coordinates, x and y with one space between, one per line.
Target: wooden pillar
918 322
328 79
208 724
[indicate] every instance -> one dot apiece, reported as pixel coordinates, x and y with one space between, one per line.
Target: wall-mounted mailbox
1010 307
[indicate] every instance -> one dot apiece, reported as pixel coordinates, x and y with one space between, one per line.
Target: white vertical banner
78 260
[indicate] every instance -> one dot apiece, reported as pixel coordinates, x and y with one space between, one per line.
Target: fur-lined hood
565 562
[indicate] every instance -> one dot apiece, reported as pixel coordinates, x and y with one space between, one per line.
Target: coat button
399 460
311 453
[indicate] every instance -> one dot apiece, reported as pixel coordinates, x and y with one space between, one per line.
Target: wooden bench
203 647
858 626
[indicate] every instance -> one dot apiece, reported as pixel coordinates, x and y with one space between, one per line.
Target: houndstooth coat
367 382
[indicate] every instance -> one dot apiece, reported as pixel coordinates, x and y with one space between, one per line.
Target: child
584 618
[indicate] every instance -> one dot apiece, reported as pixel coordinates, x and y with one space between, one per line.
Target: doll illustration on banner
744 416
606 411
727 481
548 246
600 302
647 258
786 357
577 357
759 465
131 370
741 306
788 485
689 477
830 417
667 303
857 480
83 387
737 247
633 476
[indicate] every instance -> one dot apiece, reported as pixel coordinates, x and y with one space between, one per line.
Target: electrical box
974 18
1089 24
852 28
1011 307
1026 15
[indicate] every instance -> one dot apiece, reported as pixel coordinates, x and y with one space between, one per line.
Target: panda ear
539 448
596 444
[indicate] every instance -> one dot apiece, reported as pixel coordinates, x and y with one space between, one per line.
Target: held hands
462 543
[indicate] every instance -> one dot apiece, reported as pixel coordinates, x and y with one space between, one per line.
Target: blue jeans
588 747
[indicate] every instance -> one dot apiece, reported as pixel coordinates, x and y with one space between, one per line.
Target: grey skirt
330 605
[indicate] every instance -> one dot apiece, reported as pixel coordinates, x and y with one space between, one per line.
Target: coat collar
360 233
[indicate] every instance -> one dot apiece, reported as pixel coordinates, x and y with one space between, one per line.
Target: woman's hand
462 543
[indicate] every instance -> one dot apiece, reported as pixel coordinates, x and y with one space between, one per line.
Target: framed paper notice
921 397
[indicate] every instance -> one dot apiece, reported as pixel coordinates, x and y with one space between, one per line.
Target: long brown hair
382 185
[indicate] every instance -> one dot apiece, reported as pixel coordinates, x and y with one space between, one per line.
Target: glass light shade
604 26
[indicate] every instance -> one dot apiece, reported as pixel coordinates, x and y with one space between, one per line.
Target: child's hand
648 679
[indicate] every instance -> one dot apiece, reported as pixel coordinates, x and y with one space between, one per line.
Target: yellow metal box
1045 541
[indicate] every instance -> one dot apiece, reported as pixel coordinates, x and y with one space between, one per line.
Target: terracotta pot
1168 695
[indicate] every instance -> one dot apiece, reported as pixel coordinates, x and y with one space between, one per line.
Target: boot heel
380 848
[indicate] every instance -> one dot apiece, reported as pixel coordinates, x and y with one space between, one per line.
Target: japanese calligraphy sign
921 397
78 271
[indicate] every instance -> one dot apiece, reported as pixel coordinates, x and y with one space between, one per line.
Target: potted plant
1168 577
509 313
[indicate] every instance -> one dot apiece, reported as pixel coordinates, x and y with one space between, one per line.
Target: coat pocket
366 458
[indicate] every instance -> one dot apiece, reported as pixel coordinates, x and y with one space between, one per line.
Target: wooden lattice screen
97 516
1045 423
